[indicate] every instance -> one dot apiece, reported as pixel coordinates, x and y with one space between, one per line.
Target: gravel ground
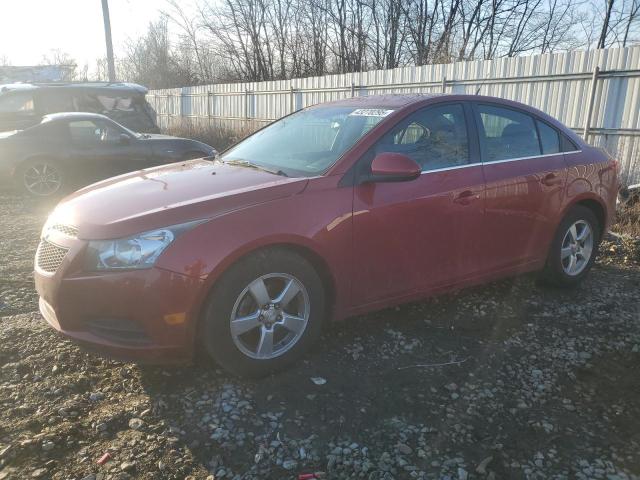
511 380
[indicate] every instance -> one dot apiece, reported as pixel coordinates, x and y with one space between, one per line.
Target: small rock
127 466
136 423
48 445
405 449
319 380
289 464
482 466
39 472
96 396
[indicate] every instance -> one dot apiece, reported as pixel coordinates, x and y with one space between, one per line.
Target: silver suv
24 104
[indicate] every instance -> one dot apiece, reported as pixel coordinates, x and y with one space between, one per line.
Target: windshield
307 143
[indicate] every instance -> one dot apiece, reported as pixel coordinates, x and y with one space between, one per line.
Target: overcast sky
30 29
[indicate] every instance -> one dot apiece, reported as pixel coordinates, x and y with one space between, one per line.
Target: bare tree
255 40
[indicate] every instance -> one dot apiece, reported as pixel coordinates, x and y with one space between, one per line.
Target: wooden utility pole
605 25
107 37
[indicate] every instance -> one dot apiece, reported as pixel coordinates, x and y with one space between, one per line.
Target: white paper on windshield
370 112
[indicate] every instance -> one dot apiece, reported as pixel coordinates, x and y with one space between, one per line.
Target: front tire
264 313
574 248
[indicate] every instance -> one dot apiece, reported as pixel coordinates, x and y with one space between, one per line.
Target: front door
100 149
417 235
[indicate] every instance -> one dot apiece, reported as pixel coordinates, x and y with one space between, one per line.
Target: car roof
400 100
52 117
84 86
395 100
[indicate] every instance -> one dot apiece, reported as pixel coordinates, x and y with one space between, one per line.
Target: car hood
168 195
8 134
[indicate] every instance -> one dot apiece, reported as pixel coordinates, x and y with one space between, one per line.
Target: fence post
353 89
292 99
444 84
246 104
209 95
181 104
590 105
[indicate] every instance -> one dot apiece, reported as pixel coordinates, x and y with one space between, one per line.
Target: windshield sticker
370 112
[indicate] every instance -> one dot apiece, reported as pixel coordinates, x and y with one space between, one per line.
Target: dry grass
219 137
628 220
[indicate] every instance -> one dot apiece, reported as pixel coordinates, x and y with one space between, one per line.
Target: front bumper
146 316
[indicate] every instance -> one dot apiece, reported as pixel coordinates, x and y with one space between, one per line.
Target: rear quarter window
567 145
549 138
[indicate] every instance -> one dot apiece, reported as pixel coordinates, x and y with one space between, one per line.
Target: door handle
551 179
466 197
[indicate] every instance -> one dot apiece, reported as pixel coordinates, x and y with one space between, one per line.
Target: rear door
525 176
416 235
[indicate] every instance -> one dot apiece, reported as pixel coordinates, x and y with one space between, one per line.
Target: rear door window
54 101
17 102
506 134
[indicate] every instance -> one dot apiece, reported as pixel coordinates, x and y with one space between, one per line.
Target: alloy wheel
270 316
42 179
577 248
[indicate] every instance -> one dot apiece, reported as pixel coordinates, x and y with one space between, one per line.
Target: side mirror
125 139
393 167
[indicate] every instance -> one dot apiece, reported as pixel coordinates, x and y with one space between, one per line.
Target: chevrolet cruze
336 210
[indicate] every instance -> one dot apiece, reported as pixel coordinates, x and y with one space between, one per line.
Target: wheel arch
597 207
307 252
34 157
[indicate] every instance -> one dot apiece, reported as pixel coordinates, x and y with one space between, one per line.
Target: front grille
50 256
68 230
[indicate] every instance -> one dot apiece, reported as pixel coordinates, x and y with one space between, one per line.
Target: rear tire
574 248
264 313
41 177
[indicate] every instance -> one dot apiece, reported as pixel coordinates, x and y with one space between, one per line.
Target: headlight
138 251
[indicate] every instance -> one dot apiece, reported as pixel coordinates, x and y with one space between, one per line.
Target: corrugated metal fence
595 92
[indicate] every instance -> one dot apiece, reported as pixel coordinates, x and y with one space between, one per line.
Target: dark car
73 149
336 210
23 105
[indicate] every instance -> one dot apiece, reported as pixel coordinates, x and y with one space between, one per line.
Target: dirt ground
508 381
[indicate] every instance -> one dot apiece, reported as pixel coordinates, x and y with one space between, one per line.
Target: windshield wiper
245 163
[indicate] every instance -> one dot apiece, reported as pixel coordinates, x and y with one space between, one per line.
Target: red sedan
336 210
